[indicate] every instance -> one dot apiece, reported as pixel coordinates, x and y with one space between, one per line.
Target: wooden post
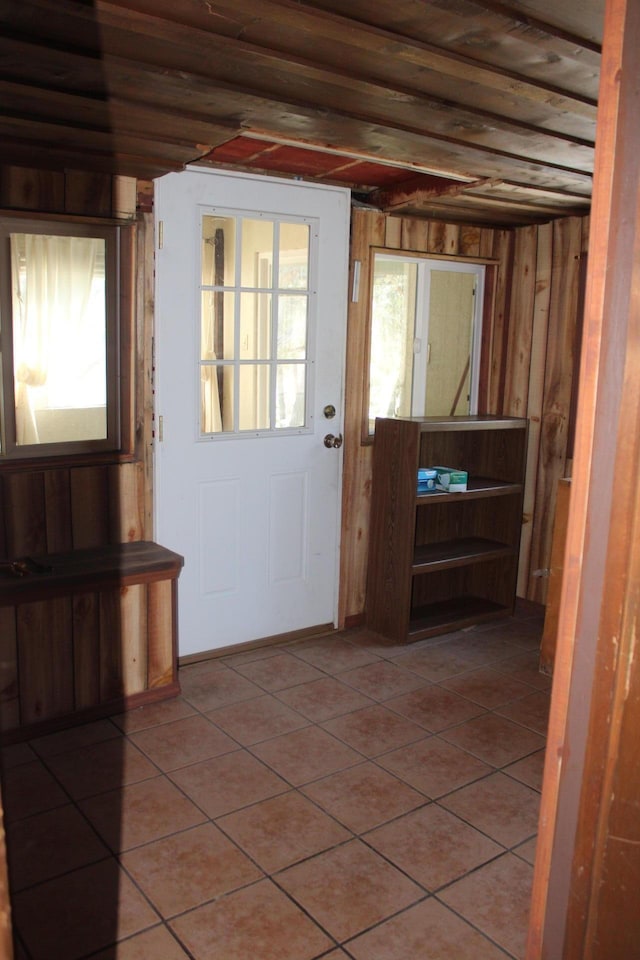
585 895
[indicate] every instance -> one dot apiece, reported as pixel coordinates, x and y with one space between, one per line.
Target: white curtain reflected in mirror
59 338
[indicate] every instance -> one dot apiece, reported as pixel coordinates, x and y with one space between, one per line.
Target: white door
251 281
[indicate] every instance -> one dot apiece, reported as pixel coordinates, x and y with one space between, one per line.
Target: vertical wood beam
588 837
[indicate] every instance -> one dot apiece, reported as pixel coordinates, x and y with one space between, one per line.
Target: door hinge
160 234
160 429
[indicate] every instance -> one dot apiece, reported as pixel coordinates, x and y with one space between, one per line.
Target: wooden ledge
77 571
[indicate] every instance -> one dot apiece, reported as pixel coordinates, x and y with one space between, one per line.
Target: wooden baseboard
79 717
321 630
357 620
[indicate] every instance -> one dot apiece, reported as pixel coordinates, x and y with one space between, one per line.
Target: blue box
426 480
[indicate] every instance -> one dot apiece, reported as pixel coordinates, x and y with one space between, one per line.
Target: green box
451 480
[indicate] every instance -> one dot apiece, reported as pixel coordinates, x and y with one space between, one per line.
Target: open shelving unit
440 561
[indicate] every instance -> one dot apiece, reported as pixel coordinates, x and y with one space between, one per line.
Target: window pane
59 338
290 395
294 256
257 253
216 338
255 326
392 332
216 399
218 251
254 396
292 327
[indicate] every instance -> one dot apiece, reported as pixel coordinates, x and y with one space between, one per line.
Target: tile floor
335 798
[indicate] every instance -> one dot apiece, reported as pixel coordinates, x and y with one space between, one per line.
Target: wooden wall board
161 608
369 229
86 650
45 656
9 691
24 513
90 501
57 493
535 401
559 370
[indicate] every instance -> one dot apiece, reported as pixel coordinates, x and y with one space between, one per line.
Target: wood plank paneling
133 627
126 506
25 513
57 493
368 229
559 370
90 504
526 368
86 650
160 612
45 654
537 367
8 668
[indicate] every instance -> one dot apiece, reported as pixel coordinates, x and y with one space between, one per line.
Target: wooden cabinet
86 633
440 561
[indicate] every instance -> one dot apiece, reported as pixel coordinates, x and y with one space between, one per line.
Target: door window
256 320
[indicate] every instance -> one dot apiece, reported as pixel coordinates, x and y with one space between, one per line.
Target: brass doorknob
331 441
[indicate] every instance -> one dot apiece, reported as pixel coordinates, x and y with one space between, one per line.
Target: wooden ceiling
454 109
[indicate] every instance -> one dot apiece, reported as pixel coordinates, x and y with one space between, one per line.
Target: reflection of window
255 322
58 337
425 325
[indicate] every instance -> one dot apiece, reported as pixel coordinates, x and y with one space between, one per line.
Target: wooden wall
47 506
527 368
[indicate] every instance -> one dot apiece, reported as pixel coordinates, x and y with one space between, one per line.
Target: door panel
256 514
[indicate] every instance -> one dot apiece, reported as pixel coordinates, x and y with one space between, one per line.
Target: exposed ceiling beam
418 190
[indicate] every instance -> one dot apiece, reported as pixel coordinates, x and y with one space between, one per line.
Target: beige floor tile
433 846
187 869
101 767
439 661
283 830
140 813
525 667
50 844
532 711
348 889
434 766
495 740
382 680
258 922
81 912
323 699
177 744
305 755
228 783
279 672
28 789
529 770
487 687
252 721
333 654
374 730
364 797
428 931
505 810
434 708
155 944
151 714
527 850
496 900
212 684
